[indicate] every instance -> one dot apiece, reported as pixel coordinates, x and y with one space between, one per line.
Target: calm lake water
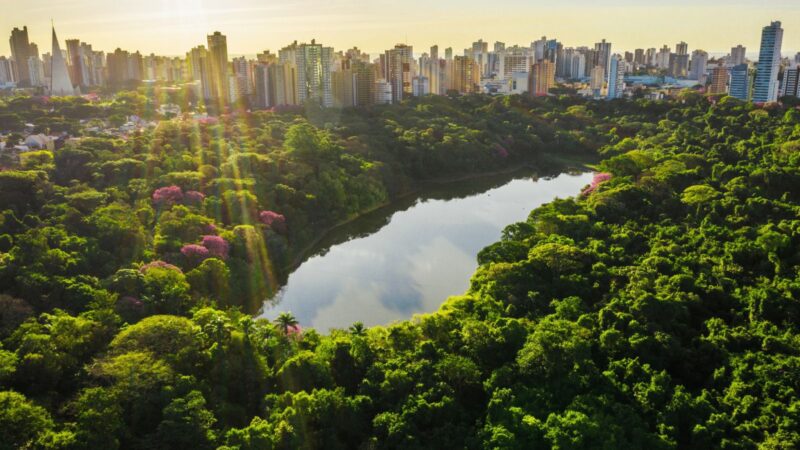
408 258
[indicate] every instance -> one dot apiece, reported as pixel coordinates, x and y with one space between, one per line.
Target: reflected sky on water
414 258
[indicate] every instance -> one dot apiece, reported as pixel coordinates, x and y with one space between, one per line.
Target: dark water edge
373 221
390 273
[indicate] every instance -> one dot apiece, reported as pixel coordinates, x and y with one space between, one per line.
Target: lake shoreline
567 163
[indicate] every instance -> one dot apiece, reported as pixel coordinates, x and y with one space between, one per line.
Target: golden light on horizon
172 27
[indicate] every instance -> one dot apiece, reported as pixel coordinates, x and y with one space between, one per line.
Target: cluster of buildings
312 72
770 78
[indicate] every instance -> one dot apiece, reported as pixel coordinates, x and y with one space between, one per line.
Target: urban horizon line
786 53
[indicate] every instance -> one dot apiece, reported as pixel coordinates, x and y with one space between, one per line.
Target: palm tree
358 329
286 320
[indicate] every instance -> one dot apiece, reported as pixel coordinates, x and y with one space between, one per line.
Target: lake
408 258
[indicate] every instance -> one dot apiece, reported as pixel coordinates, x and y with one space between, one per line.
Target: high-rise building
197 69
797 59
602 55
20 51
663 57
480 53
283 84
737 56
263 92
287 57
135 67
429 68
466 75
243 72
60 84
420 86
36 71
118 64
739 86
553 50
266 57
538 48
399 71
314 82
219 69
85 67
616 80
639 57
6 72
343 86
719 80
542 78
650 57
383 92
597 81
571 64
74 63
364 78
791 82
699 66
679 65
514 60
682 48
765 88
577 66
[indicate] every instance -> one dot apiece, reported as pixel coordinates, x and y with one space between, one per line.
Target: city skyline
172 27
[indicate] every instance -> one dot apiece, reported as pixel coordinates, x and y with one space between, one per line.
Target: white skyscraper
60 84
699 66
765 88
313 63
616 73
6 71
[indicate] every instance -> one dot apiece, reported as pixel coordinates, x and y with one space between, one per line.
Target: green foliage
22 422
659 310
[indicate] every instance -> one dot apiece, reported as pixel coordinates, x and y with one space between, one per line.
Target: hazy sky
171 27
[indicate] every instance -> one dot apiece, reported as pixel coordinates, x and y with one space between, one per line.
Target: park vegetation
658 309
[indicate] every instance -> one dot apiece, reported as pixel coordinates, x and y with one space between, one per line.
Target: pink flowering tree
216 246
599 178
500 151
167 195
273 220
194 253
194 197
210 229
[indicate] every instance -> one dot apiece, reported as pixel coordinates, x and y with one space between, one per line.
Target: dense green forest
267 184
658 310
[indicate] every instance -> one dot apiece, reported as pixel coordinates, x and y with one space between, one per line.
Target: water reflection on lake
392 264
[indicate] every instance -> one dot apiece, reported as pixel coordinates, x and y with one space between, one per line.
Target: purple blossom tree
194 197
167 195
273 220
210 229
599 178
195 253
216 246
